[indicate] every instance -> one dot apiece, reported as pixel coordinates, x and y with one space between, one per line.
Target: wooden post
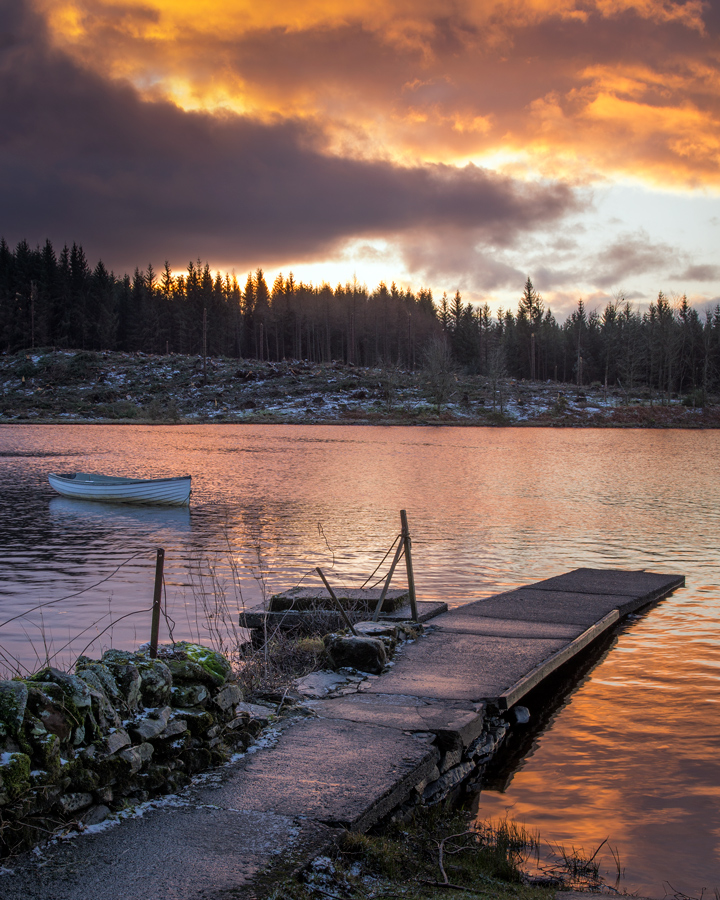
408 563
336 601
155 627
398 554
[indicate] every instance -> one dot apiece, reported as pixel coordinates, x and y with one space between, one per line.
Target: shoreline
71 388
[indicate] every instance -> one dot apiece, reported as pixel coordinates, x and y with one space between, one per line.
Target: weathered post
155 627
408 563
383 593
336 601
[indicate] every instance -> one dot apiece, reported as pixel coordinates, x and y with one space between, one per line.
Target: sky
450 144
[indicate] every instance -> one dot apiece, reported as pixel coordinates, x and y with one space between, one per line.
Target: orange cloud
569 88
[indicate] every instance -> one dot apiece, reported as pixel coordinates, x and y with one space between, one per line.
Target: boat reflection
151 518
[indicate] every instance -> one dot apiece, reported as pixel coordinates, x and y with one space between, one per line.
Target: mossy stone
13 701
193 662
14 774
74 688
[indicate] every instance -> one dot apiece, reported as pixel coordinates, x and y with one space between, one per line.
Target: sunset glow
337 124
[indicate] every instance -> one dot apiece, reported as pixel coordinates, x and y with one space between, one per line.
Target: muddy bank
68 386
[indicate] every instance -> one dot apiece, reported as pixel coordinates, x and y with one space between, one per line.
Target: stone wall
120 730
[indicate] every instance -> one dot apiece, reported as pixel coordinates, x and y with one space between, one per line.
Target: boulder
364 653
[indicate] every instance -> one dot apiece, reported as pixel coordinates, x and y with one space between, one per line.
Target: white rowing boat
85 486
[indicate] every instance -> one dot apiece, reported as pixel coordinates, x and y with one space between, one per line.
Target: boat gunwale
113 480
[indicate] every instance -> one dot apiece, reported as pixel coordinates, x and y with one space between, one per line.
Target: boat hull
162 491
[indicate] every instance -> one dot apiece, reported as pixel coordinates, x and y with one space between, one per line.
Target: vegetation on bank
443 852
51 300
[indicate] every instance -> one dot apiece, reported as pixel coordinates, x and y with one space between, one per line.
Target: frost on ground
83 386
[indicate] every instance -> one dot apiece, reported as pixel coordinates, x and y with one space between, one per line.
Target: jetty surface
355 760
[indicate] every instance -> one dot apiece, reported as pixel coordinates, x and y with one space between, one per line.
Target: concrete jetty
402 738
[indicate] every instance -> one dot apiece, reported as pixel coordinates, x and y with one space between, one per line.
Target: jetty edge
407 738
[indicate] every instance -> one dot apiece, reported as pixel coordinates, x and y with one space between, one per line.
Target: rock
133 758
521 715
76 691
175 728
14 774
48 704
253 711
102 677
85 780
103 794
450 759
126 675
445 783
114 742
13 701
103 711
198 720
189 695
46 751
377 629
74 801
94 815
228 696
193 662
156 681
320 684
152 725
145 750
364 653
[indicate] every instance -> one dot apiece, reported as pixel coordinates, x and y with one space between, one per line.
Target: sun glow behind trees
51 301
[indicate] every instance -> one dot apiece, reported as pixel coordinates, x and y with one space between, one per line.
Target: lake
631 754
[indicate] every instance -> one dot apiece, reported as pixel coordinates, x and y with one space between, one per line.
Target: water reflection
632 753
109 516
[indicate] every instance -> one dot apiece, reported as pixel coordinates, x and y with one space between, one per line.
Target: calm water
633 753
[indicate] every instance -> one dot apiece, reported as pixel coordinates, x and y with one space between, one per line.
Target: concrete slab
470 623
455 728
176 853
338 772
455 666
294 618
533 605
642 587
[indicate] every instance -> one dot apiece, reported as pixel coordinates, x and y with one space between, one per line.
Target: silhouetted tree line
50 300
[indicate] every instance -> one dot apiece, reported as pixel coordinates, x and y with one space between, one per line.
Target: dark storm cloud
83 159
